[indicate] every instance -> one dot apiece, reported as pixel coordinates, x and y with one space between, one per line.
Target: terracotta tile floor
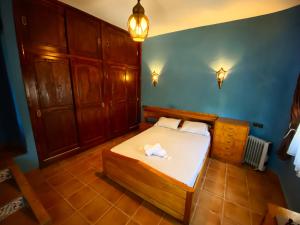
74 193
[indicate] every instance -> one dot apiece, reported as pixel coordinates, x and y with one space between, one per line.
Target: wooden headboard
153 112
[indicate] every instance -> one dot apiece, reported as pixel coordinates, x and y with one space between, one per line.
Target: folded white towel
155 150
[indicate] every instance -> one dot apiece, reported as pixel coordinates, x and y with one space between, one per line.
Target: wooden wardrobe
81 76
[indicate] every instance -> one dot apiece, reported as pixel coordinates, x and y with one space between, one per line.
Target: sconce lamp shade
221 75
154 78
138 23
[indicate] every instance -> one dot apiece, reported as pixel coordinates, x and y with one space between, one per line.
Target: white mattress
186 152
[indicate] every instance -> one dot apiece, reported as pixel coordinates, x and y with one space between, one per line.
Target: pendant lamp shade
138 23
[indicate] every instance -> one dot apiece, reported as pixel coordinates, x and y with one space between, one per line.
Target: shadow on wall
10 133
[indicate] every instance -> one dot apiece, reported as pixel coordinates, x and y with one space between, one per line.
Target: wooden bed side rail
156 112
192 197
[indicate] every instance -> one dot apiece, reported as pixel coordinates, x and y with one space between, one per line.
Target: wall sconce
221 75
154 78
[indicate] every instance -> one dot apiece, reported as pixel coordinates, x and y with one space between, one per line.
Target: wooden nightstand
229 139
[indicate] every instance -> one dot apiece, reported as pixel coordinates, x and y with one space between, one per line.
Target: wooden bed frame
165 192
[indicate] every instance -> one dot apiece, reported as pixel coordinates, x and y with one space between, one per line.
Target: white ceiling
173 15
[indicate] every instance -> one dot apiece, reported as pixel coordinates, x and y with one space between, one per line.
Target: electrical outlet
258 125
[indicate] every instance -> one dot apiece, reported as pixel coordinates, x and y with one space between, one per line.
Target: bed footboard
166 193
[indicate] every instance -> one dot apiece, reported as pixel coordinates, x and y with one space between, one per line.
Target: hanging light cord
290 130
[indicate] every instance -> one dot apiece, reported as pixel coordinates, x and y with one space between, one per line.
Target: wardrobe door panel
42 24
132 79
60 130
116 76
119 118
88 83
113 44
91 126
118 83
55 111
131 51
133 113
53 78
83 34
132 85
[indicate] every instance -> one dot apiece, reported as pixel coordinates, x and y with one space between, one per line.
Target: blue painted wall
29 160
263 59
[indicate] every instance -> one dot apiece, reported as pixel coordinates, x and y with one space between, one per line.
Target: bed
172 184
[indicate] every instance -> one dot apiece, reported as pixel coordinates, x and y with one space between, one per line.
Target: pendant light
138 23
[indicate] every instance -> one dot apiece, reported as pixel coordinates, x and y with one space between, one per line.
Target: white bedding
186 152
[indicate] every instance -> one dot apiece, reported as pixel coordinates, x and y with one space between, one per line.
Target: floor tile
78 168
95 209
132 222
113 216
75 219
217 165
227 221
205 217
237 214
256 218
43 188
258 204
88 176
65 164
264 192
210 202
81 197
129 203
215 175
51 170
237 172
109 190
233 181
69 188
214 187
60 178
147 214
60 212
237 197
99 184
237 192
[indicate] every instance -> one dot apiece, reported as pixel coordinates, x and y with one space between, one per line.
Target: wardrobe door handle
38 113
24 20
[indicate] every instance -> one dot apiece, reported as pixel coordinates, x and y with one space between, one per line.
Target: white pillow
168 122
195 127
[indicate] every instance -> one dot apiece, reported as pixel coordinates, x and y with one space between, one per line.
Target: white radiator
256 153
